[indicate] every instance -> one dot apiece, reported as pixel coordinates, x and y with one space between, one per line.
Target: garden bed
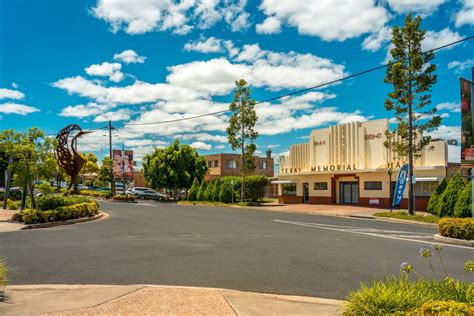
404 215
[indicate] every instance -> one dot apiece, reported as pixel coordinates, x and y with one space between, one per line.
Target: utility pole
123 167
112 184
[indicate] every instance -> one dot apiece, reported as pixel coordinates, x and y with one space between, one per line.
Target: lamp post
390 187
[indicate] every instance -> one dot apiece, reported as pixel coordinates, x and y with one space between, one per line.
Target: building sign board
400 186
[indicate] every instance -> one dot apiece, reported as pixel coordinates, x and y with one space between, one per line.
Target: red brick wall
223 169
290 199
320 200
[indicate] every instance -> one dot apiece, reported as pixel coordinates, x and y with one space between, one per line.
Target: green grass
404 215
216 203
398 295
3 273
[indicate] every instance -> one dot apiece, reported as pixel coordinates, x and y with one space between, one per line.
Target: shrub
208 192
463 206
98 194
52 202
192 194
13 195
254 186
13 205
201 191
225 195
445 308
435 196
124 197
216 190
3 273
447 200
460 228
46 188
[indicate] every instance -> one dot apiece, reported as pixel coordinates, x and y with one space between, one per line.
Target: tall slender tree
241 131
412 78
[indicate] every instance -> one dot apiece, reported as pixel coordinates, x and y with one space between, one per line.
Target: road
243 249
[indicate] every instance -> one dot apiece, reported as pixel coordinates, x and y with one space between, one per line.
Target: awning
428 179
283 181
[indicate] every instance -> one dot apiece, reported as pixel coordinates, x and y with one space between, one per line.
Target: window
289 189
425 189
209 163
263 164
232 164
320 186
216 163
373 185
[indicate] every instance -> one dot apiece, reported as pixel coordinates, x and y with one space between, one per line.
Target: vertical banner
400 187
128 164
117 163
467 130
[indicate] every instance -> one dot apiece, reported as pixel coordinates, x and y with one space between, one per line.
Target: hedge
192 194
202 191
124 197
460 228
447 200
216 191
435 196
463 206
208 192
254 186
52 202
62 213
225 194
99 194
445 308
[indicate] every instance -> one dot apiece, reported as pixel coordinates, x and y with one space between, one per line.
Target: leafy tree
463 206
241 133
105 171
435 196
192 194
174 167
447 200
34 160
90 166
209 190
412 79
225 194
201 195
216 190
46 188
7 141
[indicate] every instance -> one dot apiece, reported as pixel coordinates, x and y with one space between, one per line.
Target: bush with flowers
398 295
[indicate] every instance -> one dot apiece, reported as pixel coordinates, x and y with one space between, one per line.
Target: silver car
148 194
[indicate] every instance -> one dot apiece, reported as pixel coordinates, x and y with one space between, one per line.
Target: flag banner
467 130
117 163
400 187
123 164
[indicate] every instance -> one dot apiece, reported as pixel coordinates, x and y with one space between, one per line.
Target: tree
463 206
202 191
216 190
192 194
447 200
225 194
7 141
34 160
209 190
435 196
90 166
241 129
412 79
105 171
174 167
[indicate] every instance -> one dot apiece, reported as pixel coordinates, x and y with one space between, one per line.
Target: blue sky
86 62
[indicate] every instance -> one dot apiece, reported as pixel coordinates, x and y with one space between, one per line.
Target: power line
306 89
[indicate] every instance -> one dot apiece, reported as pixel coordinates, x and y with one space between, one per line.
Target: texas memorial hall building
349 164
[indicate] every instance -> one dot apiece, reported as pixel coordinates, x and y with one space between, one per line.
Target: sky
144 61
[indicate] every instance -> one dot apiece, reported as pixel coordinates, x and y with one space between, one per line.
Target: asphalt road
231 248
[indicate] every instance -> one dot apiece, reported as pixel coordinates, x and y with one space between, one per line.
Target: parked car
80 186
149 194
135 190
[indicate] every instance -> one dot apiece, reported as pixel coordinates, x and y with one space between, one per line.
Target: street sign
400 187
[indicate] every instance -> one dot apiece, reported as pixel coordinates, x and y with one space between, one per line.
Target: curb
404 221
68 222
454 241
118 201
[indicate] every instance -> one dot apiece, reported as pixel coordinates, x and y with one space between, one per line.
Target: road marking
367 232
146 204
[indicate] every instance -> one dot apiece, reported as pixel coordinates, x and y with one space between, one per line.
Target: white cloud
449 106
84 110
111 70
447 132
272 146
179 17
129 57
423 7
11 94
376 40
271 25
210 45
144 142
203 137
120 115
201 145
435 39
15 108
459 66
220 146
465 15
327 19
15 85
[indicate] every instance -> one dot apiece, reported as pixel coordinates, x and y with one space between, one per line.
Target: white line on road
357 230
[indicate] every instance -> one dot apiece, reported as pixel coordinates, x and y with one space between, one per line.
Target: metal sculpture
68 157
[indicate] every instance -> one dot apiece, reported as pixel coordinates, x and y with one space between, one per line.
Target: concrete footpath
155 300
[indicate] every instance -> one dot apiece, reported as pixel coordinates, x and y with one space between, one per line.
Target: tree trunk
411 206
32 196
23 199
242 167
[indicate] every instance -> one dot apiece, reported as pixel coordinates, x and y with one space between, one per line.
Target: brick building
221 165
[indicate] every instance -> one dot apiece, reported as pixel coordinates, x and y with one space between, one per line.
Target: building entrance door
349 192
305 192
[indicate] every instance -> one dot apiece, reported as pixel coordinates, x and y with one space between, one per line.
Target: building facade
221 165
349 164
